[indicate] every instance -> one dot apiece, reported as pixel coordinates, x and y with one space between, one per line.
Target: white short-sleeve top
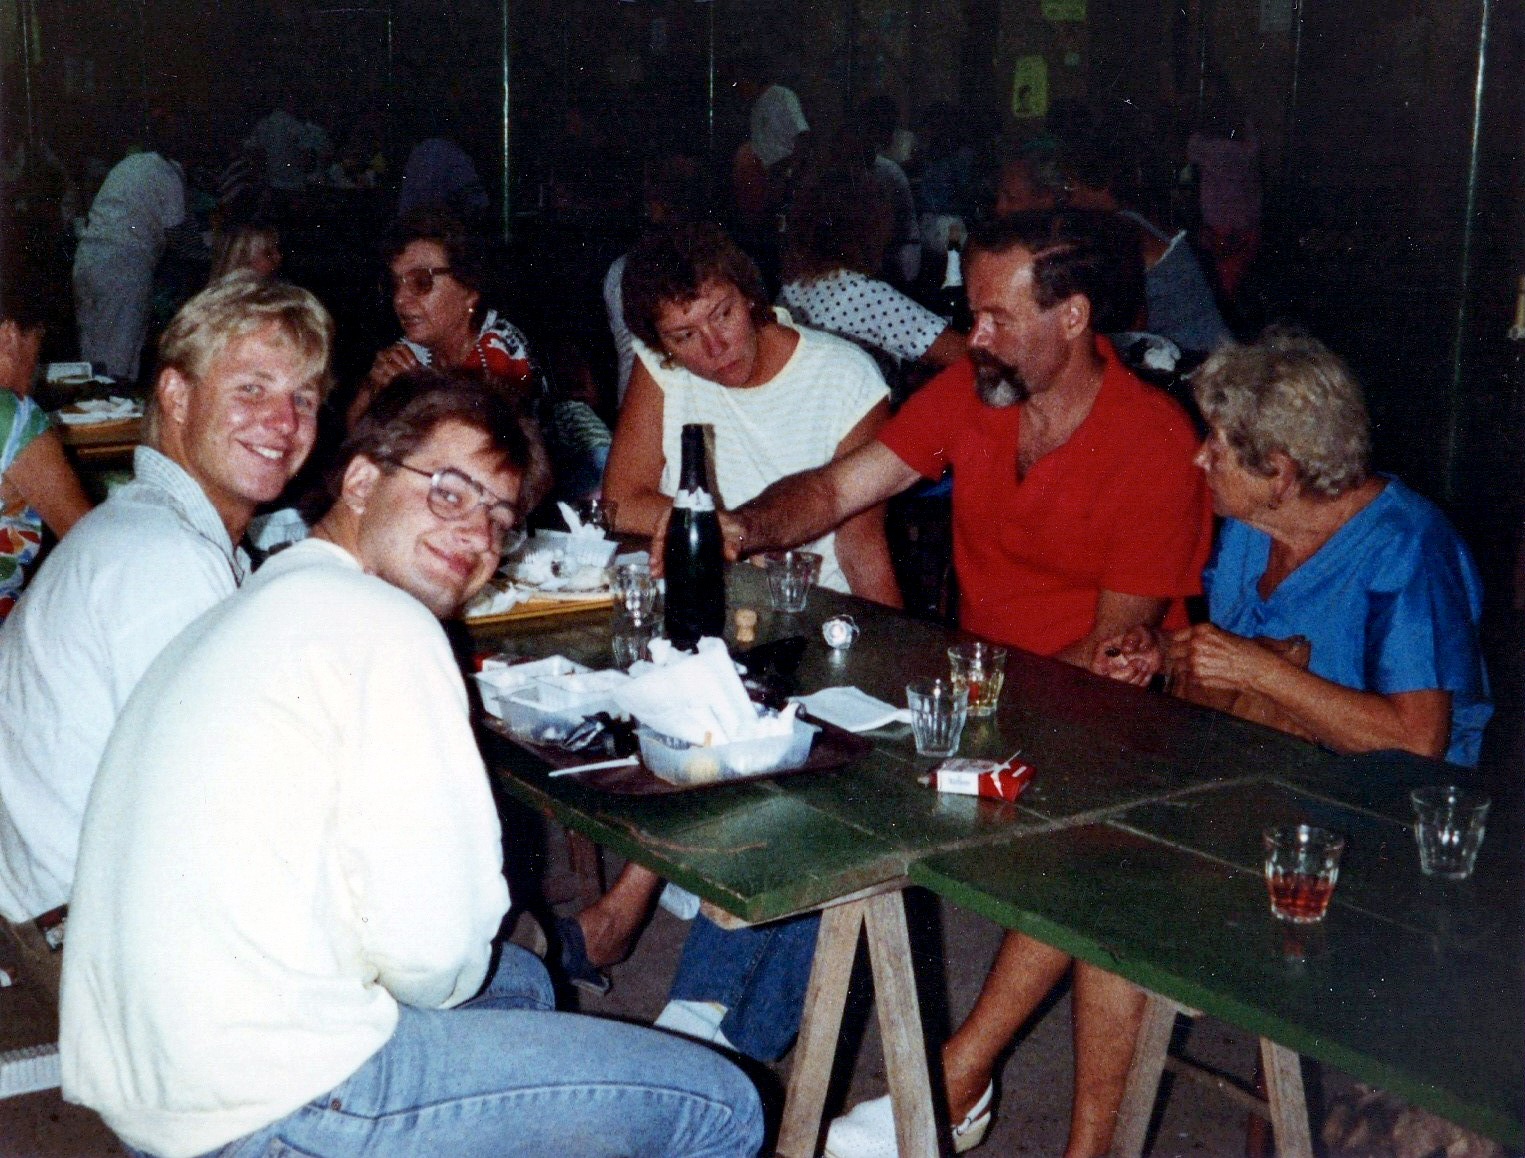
793 422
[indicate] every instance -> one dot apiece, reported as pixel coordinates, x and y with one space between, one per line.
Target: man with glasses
291 866
244 369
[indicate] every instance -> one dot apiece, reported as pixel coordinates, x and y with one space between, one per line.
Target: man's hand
1132 657
732 537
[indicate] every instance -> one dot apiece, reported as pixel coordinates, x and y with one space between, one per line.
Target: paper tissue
697 724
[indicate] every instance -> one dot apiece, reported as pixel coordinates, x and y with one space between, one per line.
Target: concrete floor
1032 1112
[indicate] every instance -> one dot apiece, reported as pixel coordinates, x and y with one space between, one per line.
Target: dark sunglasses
419 281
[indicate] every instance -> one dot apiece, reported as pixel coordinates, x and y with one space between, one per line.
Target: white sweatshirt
291 832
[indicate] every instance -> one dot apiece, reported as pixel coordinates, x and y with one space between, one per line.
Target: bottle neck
693 500
693 482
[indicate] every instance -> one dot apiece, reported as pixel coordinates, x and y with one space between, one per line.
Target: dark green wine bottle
692 558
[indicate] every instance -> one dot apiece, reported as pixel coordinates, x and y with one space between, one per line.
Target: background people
142 198
255 247
837 234
1179 298
877 121
438 274
38 487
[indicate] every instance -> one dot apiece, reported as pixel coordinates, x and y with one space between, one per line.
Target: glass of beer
981 668
1302 863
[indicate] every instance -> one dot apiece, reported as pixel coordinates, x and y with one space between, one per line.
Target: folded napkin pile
583 543
697 698
89 411
493 601
853 709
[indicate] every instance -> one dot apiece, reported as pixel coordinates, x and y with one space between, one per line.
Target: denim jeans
758 974
505 1075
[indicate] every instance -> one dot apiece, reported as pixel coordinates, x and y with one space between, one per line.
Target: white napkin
853 709
697 698
93 410
491 601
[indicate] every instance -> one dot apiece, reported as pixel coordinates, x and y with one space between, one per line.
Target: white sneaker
679 902
868 1129
699 1020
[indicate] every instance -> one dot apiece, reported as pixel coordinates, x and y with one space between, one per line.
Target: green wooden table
1411 984
847 841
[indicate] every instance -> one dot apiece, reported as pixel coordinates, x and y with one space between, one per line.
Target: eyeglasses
455 495
419 281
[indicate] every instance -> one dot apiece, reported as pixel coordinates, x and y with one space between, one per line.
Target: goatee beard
996 383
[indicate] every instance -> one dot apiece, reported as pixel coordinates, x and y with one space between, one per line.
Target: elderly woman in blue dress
1315 544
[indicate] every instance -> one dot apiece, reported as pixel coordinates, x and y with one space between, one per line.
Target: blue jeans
758 974
505 1075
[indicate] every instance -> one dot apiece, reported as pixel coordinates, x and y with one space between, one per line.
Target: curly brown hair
671 265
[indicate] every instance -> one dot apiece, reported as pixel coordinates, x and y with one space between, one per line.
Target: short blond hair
233 307
1288 392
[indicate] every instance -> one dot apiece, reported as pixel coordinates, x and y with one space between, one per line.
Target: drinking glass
1302 864
598 513
938 708
635 594
980 667
790 575
1449 822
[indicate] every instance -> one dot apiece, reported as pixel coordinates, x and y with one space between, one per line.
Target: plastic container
545 711
680 763
498 680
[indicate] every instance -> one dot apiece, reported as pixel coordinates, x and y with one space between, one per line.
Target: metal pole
709 109
852 52
390 144
1289 139
28 14
1455 391
1204 37
507 49
143 64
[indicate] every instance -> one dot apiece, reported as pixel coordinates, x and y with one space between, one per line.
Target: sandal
574 959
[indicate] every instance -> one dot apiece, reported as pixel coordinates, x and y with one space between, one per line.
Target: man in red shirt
1077 511
1077 514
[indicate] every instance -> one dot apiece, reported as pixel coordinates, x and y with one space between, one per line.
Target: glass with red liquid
1302 865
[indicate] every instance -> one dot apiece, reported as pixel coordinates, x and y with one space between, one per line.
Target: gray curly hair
1288 392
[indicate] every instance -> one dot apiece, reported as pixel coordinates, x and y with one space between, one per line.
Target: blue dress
1390 604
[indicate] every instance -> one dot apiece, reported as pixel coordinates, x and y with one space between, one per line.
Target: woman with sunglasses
436 272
